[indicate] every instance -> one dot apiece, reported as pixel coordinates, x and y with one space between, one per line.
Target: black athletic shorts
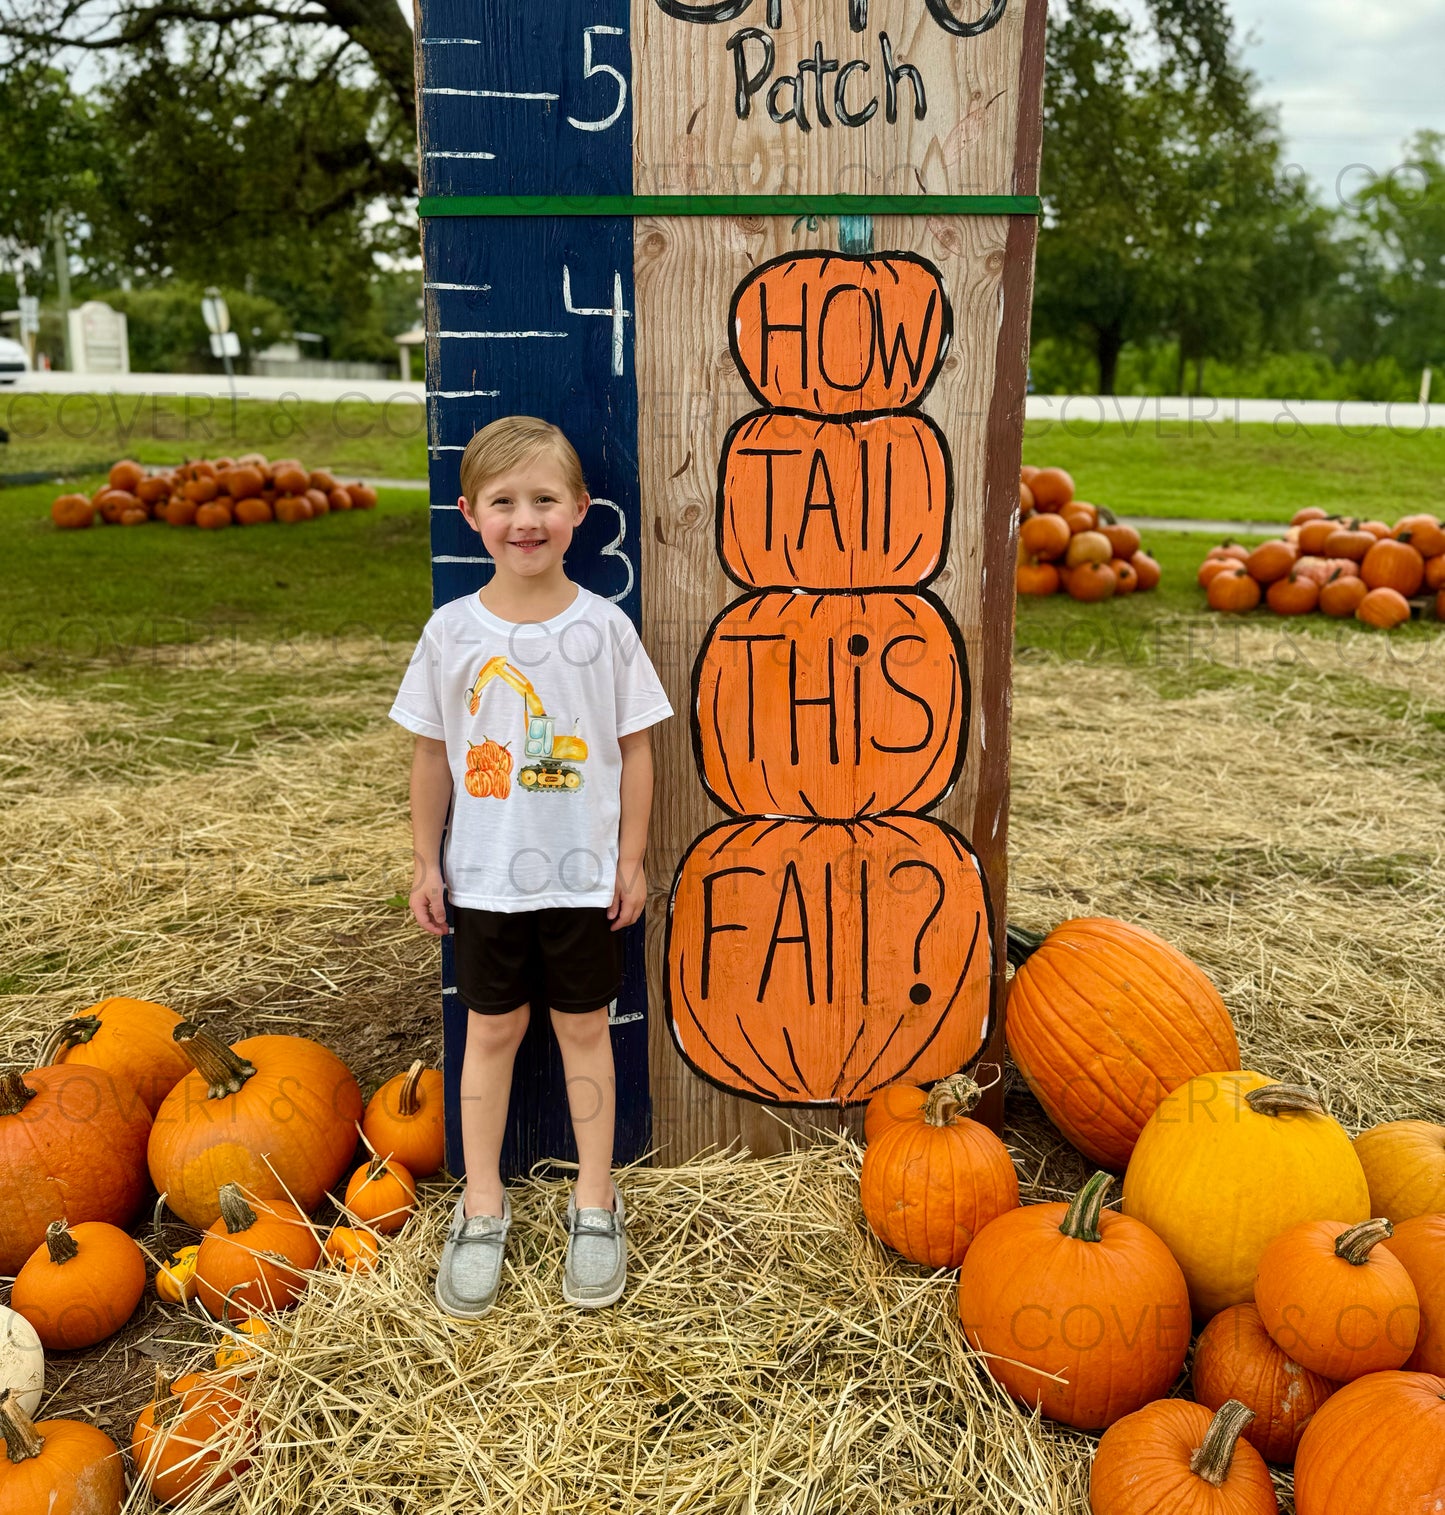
567 959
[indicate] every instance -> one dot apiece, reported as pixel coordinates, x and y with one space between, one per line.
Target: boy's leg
492 1042
586 1043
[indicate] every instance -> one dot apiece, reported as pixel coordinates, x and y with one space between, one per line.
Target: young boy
530 702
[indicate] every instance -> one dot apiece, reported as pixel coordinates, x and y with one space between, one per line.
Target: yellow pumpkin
1228 1161
174 1278
240 1349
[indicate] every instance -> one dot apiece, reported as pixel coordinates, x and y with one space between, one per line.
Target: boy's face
526 518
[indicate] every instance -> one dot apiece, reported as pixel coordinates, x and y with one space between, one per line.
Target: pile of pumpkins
1340 567
1069 545
212 493
1313 1265
241 1142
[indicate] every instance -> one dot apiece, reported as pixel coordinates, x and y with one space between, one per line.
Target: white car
14 361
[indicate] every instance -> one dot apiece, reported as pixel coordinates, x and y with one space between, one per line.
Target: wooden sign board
802 422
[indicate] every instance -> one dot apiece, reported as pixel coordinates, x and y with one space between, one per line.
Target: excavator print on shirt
547 758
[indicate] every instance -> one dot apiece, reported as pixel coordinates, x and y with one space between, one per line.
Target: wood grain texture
690 393
688 137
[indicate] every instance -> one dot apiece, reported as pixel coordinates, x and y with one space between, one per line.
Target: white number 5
590 69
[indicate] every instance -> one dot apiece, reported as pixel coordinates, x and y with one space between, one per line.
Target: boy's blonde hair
511 441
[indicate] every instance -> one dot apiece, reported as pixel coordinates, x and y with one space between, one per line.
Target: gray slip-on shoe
471 1263
596 1271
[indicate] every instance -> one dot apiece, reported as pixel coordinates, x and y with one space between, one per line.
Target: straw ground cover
228 835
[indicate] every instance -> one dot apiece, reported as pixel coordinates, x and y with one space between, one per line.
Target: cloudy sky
1354 79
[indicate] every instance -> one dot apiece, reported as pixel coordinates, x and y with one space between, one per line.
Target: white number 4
590 69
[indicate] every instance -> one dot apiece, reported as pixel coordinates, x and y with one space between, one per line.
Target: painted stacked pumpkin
1071 546
212 493
1337 566
831 939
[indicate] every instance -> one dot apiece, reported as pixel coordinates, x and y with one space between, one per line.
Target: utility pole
62 283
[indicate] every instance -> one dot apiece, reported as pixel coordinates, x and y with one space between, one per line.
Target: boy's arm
630 893
431 797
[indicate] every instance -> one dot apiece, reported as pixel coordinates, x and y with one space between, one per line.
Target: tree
1167 209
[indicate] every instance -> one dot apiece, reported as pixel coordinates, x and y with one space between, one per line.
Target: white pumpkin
22 1359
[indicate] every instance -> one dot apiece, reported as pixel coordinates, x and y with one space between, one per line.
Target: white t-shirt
531 714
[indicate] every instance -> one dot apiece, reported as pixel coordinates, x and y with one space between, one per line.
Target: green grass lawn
78 433
1244 473
113 591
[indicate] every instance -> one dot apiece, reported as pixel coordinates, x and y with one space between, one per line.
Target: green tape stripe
729 205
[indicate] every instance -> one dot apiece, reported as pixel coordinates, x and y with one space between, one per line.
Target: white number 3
591 69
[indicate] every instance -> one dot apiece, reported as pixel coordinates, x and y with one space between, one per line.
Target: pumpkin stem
1211 1460
236 1213
1022 944
1082 1220
15 1093
166 1402
950 1099
69 1033
21 1440
60 1243
1276 1099
222 1069
1356 1244
408 1102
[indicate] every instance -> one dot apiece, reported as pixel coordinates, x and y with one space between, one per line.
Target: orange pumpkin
1175 1457
1349 542
1045 536
72 512
1126 580
405 1119
1384 609
256 1256
1036 579
1404 1163
363 496
1293 595
1435 573
1210 568
1080 516
1271 561
1027 473
830 504
181 512
1341 596
889 1106
817 962
201 491
1419 1244
479 783
1147 569
1124 540
1228 552
834 334
830 705
290 478
339 499
56 1467
113 503
353 1248
276 1113
1052 487
80 1285
1091 582
1376 1448
318 478
1235 1358
72 1147
209 517
1423 533
253 511
1026 500
1080 1311
934 1179
290 509
319 501
243 481
1309 513
1104 1020
381 1194
1336 1301
1393 565
1233 591
1314 534
131 1039
192 1438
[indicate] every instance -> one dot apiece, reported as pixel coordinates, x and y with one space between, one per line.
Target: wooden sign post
768 263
